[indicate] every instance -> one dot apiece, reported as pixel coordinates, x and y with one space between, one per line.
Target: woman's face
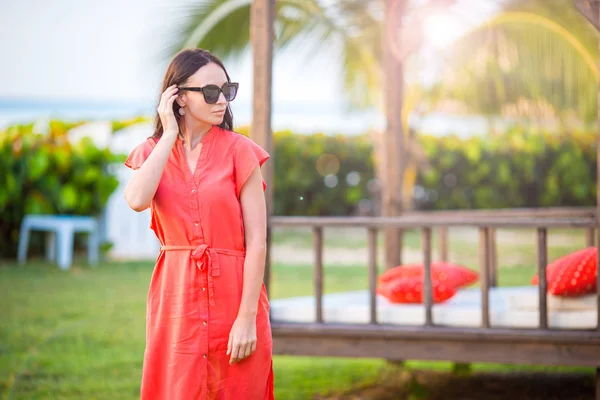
195 105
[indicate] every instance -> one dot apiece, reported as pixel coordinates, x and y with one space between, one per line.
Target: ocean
299 118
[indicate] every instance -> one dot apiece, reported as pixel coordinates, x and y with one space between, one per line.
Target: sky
109 51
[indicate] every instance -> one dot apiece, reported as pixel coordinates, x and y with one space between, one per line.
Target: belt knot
206 259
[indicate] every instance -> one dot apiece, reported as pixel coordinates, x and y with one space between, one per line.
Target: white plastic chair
61 232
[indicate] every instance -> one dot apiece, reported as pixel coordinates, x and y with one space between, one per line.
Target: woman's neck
193 132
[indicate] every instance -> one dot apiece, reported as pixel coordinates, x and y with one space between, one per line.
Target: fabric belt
206 258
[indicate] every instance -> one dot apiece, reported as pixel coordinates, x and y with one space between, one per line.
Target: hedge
314 174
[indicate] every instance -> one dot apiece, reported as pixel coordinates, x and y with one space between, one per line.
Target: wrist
171 134
247 313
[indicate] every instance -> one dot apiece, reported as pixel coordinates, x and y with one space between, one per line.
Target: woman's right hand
165 110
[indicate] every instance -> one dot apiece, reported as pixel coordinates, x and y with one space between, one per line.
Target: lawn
79 334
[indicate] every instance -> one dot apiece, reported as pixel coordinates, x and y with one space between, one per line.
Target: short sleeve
247 156
140 154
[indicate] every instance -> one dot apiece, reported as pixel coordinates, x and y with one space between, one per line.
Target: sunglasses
212 92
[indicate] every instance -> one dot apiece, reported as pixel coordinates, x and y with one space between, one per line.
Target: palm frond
517 61
345 30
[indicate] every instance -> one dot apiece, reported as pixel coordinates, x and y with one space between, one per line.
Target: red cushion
451 274
573 274
554 268
410 290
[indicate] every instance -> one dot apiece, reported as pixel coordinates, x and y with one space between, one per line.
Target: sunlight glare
441 29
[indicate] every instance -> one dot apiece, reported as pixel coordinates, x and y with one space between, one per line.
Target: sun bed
487 324
510 307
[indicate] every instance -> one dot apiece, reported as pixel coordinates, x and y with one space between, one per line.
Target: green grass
79 334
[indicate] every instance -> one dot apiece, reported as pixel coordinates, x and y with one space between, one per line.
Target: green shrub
301 164
45 173
314 174
521 168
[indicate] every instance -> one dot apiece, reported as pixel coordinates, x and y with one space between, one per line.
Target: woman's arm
254 211
142 187
242 339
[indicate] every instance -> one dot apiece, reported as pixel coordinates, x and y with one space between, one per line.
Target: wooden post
493 255
590 10
589 237
484 268
262 16
318 272
597 383
372 240
393 153
597 8
443 237
597 18
542 250
427 282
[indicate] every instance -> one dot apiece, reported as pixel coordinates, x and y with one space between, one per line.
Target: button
195 224
203 289
205 323
204 355
193 191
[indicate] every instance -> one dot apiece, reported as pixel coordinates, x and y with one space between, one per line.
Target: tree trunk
597 7
393 160
262 15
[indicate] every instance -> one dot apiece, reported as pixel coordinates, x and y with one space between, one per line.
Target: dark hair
182 66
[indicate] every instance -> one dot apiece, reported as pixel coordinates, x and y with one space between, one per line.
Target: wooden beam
513 346
262 16
410 332
410 222
393 149
438 349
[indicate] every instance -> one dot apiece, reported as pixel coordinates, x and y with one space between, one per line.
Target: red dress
196 285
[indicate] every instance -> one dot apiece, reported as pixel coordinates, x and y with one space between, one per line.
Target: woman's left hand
242 339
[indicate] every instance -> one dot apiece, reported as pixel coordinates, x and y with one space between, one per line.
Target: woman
208 334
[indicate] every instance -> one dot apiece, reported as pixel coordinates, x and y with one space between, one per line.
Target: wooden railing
487 221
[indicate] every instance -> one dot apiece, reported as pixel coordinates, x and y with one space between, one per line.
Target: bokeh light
331 181
353 178
328 164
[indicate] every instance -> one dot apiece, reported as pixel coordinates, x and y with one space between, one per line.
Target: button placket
204 317
194 209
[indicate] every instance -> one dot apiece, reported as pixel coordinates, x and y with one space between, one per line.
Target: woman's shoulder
140 152
148 143
235 139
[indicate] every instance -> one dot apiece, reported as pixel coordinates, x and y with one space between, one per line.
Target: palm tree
535 55
348 29
511 49
507 57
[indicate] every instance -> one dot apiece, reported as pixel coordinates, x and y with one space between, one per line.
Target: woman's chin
217 119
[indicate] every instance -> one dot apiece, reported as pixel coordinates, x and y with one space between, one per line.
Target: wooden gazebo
542 345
